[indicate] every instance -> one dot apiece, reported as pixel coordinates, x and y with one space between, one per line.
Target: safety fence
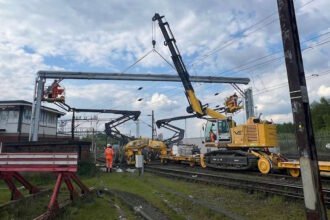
287 143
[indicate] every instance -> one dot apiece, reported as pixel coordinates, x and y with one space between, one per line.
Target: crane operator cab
217 132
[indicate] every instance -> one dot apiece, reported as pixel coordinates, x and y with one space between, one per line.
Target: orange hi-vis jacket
108 153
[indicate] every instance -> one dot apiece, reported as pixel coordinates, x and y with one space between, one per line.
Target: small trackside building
15 118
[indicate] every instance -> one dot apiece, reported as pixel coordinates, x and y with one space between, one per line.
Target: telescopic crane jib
195 105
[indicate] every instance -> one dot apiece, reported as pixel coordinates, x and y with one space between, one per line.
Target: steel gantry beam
138 77
43 75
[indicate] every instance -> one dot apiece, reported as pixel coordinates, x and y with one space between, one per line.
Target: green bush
86 168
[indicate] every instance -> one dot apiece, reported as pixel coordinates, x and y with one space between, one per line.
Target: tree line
320 111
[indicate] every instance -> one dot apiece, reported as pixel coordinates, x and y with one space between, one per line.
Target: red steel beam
53 203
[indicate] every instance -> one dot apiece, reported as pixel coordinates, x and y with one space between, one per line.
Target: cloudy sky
218 38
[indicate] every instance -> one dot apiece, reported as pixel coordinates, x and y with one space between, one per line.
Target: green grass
176 199
156 190
98 208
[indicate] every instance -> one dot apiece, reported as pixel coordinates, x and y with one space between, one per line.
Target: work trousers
109 162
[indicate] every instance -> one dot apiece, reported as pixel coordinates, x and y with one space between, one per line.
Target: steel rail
277 188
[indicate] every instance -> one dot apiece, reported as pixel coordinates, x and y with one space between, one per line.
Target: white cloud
324 91
105 36
161 101
17 70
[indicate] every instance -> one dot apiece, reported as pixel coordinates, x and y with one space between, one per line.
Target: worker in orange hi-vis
109 153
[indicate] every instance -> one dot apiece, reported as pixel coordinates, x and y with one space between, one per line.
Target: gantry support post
36 106
249 105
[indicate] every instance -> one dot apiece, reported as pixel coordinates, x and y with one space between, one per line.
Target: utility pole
314 203
137 128
72 124
152 125
94 144
185 128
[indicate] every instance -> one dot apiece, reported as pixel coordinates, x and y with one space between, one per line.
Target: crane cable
153 41
168 62
137 61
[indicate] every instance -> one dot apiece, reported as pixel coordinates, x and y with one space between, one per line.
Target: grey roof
29 104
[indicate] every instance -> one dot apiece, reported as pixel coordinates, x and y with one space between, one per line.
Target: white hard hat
108 145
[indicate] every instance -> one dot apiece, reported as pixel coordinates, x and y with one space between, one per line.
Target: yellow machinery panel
268 135
293 167
254 135
323 165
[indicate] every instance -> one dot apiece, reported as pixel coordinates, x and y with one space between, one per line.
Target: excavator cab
217 132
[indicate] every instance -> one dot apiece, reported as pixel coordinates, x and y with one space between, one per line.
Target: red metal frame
67 177
37 168
63 164
38 162
9 177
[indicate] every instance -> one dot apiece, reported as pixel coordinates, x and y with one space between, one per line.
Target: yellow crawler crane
136 147
240 146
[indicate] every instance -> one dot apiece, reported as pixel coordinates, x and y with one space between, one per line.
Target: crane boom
111 127
178 132
195 105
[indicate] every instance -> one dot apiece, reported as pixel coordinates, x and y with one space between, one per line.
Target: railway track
283 176
280 187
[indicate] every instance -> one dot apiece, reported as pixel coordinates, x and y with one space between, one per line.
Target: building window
4 115
27 115
12 116
42 118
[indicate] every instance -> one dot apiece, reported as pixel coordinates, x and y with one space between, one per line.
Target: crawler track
267 185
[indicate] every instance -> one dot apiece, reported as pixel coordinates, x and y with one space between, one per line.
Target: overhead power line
278 58
267 55
243 34
263 64
285 84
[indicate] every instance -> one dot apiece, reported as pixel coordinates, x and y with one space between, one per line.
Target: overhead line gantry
61 75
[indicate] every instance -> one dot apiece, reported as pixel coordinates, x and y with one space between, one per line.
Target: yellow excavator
155 149
240 147
136 147
132 146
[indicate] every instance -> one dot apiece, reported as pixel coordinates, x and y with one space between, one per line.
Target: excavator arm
178 132
195 105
